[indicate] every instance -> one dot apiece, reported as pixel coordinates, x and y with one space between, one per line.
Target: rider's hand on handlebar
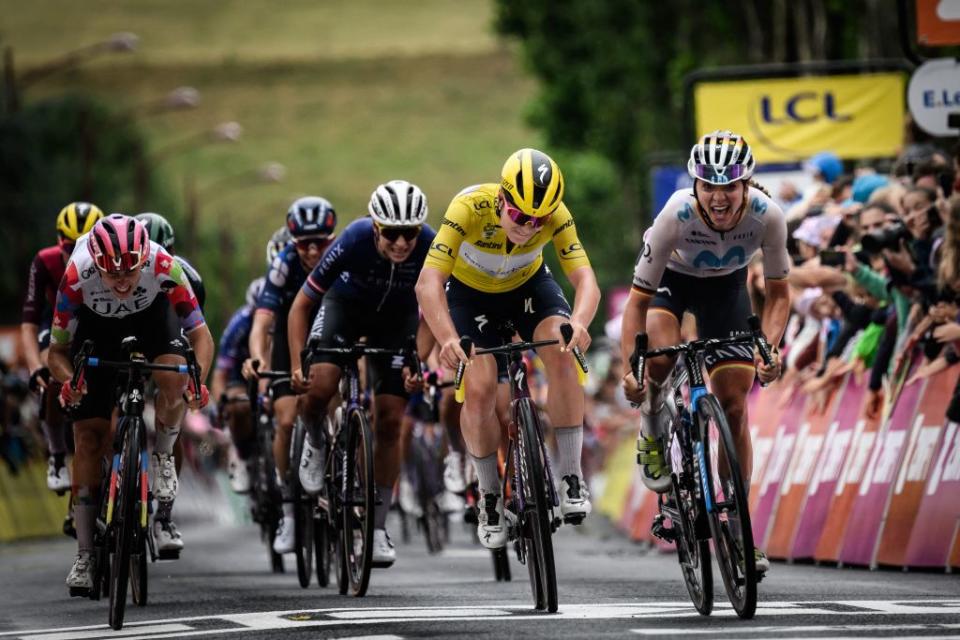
411 382
297 382
580 339
451 355
767 374
634 392
247 370
70 396
195 400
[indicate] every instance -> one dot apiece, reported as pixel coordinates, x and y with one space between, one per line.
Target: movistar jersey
680 240
473 246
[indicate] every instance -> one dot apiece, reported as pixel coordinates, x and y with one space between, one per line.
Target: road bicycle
534 503
345 509
708 497
122 540
265 499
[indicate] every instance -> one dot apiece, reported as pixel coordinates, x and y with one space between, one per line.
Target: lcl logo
804 107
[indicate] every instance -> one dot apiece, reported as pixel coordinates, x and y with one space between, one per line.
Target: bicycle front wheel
358 503
125 519
537 527
726 500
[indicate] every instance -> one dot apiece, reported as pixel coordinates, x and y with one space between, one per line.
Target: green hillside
344 94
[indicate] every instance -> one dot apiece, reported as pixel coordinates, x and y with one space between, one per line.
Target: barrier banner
618 473
866 517
789 119
814 425
823 485
765 406
915 469
934 539
776 468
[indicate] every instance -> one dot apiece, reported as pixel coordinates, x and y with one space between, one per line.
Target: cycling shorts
342 321
157 332
721 306
481 316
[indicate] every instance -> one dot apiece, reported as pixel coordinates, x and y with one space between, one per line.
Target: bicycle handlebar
640 353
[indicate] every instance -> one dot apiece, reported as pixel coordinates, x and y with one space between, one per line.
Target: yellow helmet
77 218
532 182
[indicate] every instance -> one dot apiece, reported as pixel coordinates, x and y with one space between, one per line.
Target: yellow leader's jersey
473 246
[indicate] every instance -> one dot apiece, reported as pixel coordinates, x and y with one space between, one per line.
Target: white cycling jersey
680 240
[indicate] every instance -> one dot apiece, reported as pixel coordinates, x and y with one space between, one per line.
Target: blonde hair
949 271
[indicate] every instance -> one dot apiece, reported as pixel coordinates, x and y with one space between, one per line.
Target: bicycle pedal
79 592
168 555
667 534
574 518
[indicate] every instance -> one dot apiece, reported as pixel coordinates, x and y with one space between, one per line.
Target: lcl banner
791 119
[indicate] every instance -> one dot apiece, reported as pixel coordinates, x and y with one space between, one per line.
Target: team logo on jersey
711 260
758 206
489 230
685 213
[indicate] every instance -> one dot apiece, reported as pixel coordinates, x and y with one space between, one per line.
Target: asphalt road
609 587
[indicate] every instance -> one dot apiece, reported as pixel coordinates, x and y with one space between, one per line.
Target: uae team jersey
82 287
473 246
680 240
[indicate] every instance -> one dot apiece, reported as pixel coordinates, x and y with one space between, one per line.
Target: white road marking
740 629
345 617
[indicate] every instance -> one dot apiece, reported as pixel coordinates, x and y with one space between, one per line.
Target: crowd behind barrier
856 450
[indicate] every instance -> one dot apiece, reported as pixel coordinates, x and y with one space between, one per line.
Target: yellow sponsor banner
790 119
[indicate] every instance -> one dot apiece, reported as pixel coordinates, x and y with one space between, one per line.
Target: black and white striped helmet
398 203
721 157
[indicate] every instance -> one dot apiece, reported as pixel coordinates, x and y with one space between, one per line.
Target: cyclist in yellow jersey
484 268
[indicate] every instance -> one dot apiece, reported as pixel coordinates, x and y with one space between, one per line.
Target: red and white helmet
119 243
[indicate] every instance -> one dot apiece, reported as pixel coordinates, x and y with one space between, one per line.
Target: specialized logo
528 305
711 260
666 291
543 169
481 321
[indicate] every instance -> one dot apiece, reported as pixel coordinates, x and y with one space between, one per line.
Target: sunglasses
304 244
519 217
709 173
392 234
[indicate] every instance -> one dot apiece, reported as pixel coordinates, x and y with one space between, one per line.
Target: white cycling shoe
166 536
491 525
163 468
284 542
237 470
384 554
311 468
453 479
574 499
81 573
58 478
408 499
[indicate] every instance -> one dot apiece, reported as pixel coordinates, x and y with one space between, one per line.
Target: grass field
344 94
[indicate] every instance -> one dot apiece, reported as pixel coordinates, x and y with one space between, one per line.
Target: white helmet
398 203
253 291
276 243
721 157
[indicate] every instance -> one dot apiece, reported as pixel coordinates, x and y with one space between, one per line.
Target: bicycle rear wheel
124 518
692 554
303 530
537 528
726 500
359 503
322 550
